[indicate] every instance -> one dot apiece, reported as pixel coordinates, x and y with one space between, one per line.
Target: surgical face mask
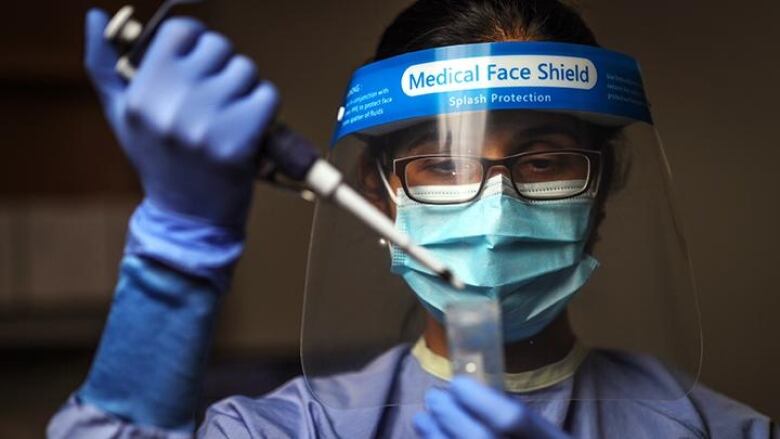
529 255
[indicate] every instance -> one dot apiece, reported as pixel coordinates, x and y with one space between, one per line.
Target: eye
551 167
540 164
443 170
442 166
450 167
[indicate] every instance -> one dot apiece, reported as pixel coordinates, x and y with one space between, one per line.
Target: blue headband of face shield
598 85
528 254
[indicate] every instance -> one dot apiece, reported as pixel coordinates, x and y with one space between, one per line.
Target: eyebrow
422 138
545 130
429 133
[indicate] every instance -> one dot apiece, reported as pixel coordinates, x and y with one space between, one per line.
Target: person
514 185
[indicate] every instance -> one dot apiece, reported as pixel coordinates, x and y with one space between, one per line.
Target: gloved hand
468 409
190 121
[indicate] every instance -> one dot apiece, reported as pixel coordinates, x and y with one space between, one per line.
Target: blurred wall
709 69
65 190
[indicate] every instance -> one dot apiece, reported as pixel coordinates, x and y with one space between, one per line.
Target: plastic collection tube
475 343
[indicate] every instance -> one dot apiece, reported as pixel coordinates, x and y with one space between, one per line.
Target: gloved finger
496 410
426 427
454 420
503 415
244 123
175 39
210 54
238 79
99 56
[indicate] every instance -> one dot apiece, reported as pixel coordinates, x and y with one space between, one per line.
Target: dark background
711 71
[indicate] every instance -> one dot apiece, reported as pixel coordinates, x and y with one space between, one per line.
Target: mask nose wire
501 169
496 170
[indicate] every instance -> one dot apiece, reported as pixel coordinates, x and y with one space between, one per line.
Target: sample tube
475 341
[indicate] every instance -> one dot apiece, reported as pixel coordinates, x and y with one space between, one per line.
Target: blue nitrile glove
468 409
190 121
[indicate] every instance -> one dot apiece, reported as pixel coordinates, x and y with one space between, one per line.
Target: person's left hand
471 410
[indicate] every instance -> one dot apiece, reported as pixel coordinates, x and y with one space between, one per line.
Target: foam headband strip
494 76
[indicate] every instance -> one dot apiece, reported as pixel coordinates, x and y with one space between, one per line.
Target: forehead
513 120
475 132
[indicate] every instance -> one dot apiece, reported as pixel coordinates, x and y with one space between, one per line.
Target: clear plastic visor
566 219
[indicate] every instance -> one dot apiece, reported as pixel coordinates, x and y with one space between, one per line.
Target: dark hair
435 23
428 24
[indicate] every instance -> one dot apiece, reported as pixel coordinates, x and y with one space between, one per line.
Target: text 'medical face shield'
534 171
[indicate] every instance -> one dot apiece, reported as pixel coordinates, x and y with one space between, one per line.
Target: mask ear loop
386 183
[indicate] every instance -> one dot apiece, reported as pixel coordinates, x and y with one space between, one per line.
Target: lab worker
499 136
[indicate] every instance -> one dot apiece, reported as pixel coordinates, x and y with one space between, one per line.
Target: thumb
100 57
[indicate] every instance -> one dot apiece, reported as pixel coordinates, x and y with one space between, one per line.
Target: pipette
283 151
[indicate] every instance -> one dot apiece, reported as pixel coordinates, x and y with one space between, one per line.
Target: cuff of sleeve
80 419
185 244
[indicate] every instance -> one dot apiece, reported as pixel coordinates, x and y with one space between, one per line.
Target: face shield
534 171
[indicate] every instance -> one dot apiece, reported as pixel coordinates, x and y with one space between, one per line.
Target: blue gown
563 393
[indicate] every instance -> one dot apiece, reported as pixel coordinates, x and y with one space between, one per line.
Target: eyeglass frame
400 165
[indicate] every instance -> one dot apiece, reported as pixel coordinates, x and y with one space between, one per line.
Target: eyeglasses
455 179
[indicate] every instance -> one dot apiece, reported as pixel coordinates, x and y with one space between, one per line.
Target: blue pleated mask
529 255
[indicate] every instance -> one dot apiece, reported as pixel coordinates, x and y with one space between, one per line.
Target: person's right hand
190 120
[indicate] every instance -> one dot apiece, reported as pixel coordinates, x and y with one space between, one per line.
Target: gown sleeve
77 419
148 369
288 412
726 418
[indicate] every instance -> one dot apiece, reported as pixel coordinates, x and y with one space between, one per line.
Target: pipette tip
448 276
